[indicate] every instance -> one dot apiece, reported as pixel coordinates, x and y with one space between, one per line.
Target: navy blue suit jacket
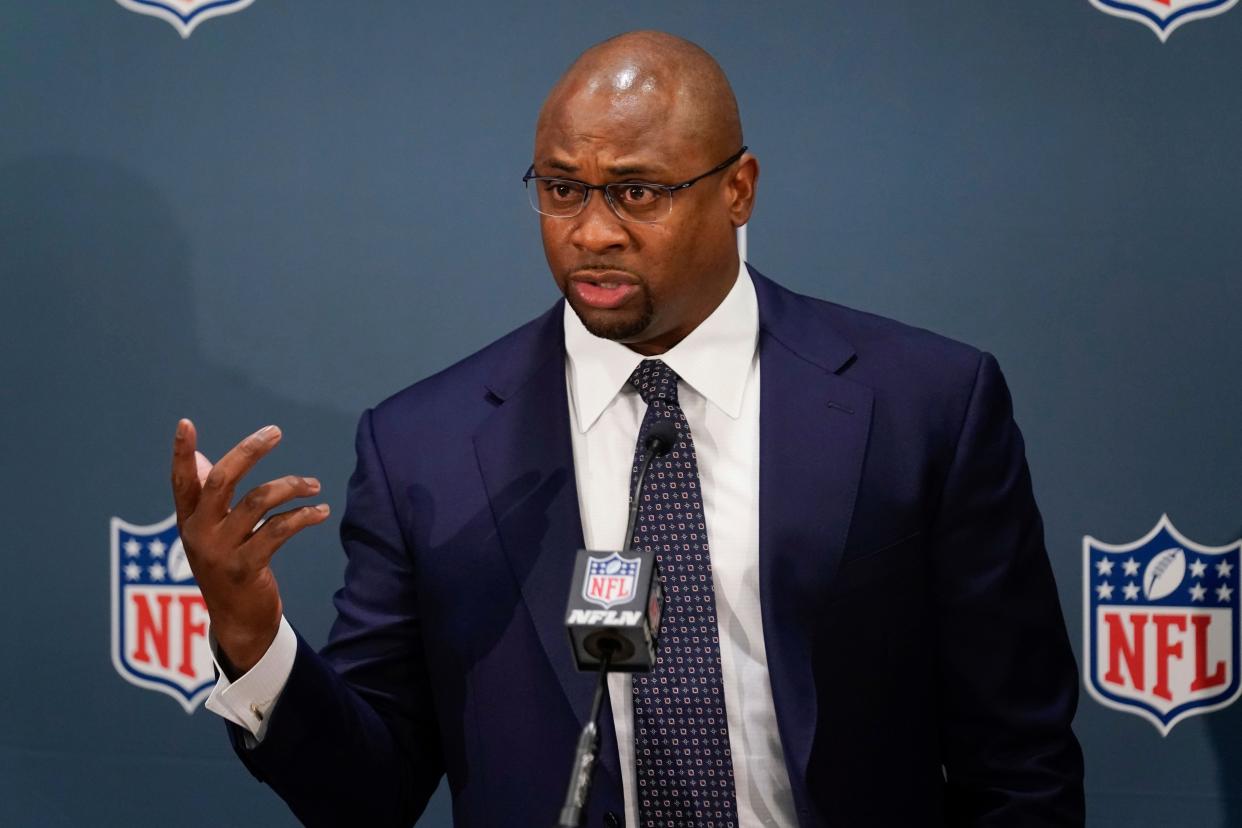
919 662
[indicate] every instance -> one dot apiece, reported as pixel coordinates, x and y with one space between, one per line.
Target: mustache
596 267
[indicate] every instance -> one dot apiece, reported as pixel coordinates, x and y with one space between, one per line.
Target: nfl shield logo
159 620
185 15
1161 625
1163 16
610 580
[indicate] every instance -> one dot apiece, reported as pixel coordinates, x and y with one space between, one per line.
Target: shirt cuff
249 701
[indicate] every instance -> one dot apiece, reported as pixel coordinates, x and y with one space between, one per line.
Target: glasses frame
668 188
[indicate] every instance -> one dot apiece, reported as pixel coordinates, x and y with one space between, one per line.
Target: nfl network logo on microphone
1161 625
611 580
159 619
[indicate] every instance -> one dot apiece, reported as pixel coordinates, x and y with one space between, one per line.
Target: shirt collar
714 359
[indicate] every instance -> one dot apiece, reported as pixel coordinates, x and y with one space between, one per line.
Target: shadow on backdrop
101 357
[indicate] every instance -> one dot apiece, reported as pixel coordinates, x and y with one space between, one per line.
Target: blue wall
306 206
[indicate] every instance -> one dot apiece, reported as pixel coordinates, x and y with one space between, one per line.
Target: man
861 626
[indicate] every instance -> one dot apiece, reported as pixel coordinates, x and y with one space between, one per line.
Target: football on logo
159 619
1161 625
185 15
1163 16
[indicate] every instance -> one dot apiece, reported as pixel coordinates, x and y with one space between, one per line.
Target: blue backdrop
306 206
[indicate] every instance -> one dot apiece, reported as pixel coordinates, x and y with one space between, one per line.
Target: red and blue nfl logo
1163 16
159 619
610 580
1161 625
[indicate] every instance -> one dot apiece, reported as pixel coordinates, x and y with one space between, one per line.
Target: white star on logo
1105 592
1104 566
1196 568
1223 593
1131 566
157 548
1224 569
156 571
1131 590
1197 592
132 571
132 547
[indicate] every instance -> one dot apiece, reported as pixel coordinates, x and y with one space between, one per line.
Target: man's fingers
262 499
203 466
279 528
186 484
222 479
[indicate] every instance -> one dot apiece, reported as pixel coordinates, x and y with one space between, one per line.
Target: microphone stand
583 767
658 443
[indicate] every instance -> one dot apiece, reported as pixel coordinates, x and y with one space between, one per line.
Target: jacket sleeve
1008 681
353 739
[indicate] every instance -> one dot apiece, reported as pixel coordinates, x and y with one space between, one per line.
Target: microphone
613 619
660 441
615 598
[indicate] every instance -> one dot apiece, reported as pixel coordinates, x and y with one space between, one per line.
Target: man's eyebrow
563 166
631 169
615 171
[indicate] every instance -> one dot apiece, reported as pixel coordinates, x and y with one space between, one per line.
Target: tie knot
655 381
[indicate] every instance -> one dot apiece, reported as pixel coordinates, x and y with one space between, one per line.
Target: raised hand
228 549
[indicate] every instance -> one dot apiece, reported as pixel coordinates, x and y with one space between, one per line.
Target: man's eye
560 190
638 194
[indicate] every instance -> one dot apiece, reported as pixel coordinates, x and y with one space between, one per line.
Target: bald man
860 625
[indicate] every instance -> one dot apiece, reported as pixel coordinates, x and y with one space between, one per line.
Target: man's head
649 107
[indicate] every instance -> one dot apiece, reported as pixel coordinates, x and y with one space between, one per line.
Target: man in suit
861 625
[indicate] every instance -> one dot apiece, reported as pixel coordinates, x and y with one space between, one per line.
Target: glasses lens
640 202
556 197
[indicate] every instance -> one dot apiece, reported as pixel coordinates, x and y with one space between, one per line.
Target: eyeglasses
640 201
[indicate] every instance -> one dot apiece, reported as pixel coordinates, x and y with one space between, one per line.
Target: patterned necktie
681 735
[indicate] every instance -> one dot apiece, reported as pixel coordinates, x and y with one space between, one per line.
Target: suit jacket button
611 820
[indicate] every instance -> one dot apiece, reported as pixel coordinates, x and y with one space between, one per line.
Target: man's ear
740 189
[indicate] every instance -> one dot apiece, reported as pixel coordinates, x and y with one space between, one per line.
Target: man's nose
597 229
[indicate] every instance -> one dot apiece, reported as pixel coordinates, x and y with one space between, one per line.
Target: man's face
646 285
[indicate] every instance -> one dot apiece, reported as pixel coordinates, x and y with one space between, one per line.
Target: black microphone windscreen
662 437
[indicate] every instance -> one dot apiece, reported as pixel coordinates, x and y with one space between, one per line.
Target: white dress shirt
718 364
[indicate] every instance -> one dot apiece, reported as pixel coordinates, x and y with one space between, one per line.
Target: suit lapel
813 430
525 456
